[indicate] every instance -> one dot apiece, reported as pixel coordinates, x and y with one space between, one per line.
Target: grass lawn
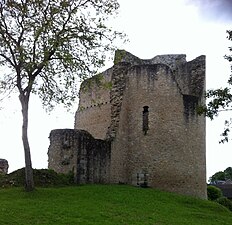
107 204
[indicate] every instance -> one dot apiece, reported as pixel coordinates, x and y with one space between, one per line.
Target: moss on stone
119 55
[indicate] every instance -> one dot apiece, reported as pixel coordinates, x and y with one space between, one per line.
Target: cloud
220 10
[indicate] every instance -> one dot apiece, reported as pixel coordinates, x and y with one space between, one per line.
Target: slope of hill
107 204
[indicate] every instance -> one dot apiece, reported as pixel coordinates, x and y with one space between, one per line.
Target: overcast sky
154 27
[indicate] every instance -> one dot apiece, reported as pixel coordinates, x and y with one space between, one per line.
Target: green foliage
97 80
90 83
107 204
220 100
49 45
228 173
213 193
42 178
225 202
218 176
225 175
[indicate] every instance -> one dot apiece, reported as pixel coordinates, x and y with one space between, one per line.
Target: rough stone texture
170 155
116 97
79 152
94 105
4 166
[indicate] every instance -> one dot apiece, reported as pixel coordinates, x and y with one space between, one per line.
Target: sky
153 27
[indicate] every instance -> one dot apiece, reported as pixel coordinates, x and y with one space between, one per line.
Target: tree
217 176
222 175
228 173
220 100
47 45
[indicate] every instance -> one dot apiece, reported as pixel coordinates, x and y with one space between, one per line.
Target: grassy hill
106 204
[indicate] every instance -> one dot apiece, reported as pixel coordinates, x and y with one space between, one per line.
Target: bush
42 178
225 202
213 193
47 177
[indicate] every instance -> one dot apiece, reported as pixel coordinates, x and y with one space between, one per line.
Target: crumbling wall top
190 76
171 60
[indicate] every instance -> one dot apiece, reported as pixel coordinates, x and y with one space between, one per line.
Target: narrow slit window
145 119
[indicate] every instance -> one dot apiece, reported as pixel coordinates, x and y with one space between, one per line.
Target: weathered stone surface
4 166
94 105
78 152
164 149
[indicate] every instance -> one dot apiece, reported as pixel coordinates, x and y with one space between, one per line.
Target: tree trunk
29 181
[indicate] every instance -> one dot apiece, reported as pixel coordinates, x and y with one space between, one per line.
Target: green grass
106 204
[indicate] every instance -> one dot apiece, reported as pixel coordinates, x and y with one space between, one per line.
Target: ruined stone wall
190 76
171 154
4 166
146 112
93 114
62 152
172 60
78 152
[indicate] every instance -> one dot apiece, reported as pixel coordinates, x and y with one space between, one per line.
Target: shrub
42 178
225 202
47 177
213 193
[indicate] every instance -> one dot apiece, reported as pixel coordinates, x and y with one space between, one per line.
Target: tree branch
7 59
224 110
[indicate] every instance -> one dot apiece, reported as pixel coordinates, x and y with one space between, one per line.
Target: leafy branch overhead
220 100
51 43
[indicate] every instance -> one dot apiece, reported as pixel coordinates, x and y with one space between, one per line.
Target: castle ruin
137 124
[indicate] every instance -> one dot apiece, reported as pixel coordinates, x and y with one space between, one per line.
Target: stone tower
144 114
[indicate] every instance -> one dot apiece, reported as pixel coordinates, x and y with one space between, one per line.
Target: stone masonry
78 152
4 166
137 124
